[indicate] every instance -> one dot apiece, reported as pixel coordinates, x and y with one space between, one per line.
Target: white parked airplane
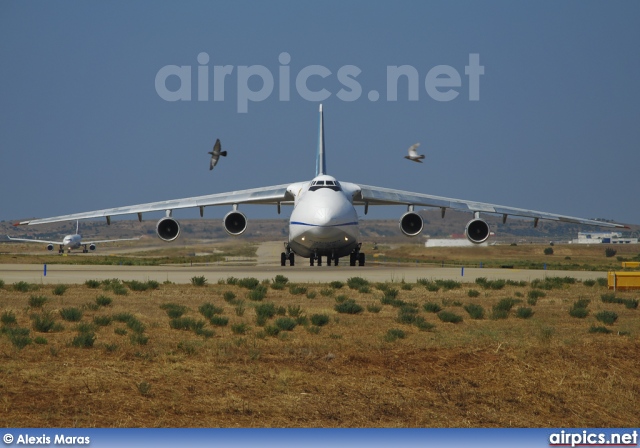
71 242
324 221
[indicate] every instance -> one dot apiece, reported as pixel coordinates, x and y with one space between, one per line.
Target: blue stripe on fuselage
317 225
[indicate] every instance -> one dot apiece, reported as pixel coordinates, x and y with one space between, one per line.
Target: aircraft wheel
292 259
360 259
311 261
319 261
283 259
352 259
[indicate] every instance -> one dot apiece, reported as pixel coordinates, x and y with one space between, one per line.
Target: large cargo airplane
324 221
71 242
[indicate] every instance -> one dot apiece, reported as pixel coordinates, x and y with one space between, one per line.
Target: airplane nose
323 216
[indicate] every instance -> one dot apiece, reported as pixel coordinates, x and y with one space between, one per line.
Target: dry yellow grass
547 370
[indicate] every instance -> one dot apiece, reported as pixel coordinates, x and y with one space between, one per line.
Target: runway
410 273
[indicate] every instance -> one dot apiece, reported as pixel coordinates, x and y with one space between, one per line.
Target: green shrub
135 285
599 329
548 250
506 304
248 282
285 323
602 281
93 284
8 318
589 282
184 323
102 300
431 307
393 334
320 320
71 314
524 312
326 292
422 324
357 282
266 310
580 313
631 304
281 279
37 301
102 321
296 289
19 337
209 309
607 317
258 293
228 296
373 308
174 310
473 293
40 340
199 280
58 290
407 315
240 328
475 311
311 295
24 287
294 310
219 321
349 306
45 323
448 316
336 284
84 340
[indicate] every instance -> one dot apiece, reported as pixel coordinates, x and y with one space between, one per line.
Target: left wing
369 195
276 194
26 240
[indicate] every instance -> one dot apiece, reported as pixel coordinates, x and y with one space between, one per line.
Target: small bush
281 279
8 318
448 285
431 307
422 324
610 252
473 293
285 323
357 282
84 340
45 323
258 293
475 311
229 296
579 313
589 283
505 304
219 321
71 314
58 290
199 281
102 300
19 337
266 310
599 329
393 334
372 308
37 301
607 317
248 283
524 312
93 284
173 310
239 328
602 281
448 316
548 250
320 320
24 287
336 284
102 321
296 289
208 310
631 304
349 306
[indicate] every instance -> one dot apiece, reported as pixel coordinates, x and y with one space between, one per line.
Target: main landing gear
318 258
287 255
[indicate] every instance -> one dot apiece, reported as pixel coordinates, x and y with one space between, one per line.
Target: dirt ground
371 369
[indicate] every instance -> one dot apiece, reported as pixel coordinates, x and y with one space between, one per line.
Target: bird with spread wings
413 154
216 153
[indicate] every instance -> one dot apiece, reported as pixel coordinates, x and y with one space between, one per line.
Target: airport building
603 238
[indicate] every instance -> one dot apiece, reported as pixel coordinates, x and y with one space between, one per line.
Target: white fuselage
323 221
72 241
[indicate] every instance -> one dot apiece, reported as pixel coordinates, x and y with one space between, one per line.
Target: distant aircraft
324 220
413 154
215 154
71 242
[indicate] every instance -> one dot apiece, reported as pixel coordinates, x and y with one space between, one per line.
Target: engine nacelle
168 229
49 246
477 231
411 224
92 247
235 223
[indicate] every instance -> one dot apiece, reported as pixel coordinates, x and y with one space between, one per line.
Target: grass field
244 354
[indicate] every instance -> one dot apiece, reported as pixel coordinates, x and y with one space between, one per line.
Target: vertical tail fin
321 167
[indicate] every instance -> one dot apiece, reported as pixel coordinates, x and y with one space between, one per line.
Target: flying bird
216 153
413 154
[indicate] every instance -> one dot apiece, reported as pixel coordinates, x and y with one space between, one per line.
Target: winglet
321 167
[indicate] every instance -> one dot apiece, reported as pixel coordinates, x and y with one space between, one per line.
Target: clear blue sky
556 127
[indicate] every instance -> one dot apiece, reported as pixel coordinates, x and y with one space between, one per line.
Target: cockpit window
317 184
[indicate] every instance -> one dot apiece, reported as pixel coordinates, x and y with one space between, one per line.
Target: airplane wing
276 194
26 240
386 196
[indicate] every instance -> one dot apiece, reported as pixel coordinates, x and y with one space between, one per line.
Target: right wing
276 194
34 241
111 241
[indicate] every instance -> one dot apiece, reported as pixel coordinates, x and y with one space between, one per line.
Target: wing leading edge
370 195
276 194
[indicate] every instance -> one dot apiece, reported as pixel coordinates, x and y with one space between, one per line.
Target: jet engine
168 229
477 231
92 247
49 246
411 224
235 223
